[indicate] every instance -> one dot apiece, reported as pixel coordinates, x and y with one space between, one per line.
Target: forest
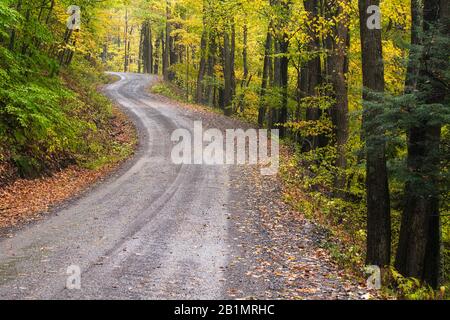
359 90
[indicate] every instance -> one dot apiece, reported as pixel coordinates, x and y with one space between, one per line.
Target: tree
337 41
127 43
312 72
418 252
267 66
147 47
378 202
279 115
167 45
227 74
203 56
228 55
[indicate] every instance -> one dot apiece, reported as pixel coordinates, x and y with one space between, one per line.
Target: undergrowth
48 122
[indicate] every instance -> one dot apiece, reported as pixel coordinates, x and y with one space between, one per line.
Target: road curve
154 230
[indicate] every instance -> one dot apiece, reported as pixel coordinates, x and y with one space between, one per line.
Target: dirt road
153 230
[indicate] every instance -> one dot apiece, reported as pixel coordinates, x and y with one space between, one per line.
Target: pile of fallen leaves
25 200
284 253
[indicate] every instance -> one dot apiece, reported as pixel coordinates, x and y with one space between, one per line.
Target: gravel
156 230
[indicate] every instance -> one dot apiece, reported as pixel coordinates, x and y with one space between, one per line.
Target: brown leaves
280 248
24 199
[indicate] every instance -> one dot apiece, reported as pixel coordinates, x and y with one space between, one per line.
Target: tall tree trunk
166 50
150 46
279 114
227 74
233 59
202 69
173 57
418 252
244 84
128 45
265 78
171 46
284 65
141 57
245 51
125 63
272 116
199 95
212 59
158 53
336 72
147 47
312 71
187 73
62 55
378 202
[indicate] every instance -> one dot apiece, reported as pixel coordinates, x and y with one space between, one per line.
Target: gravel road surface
155 230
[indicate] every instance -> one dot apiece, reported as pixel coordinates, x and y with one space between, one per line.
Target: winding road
155 230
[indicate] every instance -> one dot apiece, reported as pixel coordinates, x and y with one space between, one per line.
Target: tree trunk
199 95
336 73
245 51
147 48
279 113
62 55
173 57
418 252
378 202
125 63
233 59
166 50
141 57
284 65
202 69
149 45
170 47
187 73
244 84
312 73
265 78
227 74
158 53
212 59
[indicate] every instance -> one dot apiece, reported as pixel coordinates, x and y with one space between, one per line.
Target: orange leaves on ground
24 200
